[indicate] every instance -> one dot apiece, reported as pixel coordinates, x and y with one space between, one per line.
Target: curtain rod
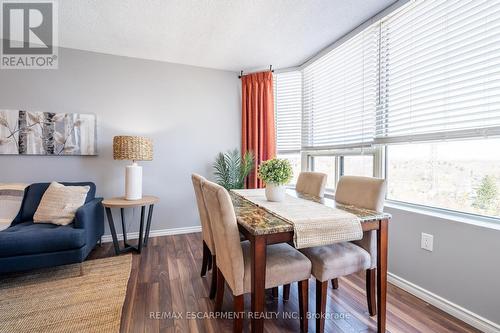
241 72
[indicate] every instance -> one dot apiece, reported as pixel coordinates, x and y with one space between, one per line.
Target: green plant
486 194
276 171
231 169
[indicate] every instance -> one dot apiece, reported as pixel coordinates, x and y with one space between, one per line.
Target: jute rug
60 299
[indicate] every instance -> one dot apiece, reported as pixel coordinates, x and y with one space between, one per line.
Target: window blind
340 94
288 109
439 71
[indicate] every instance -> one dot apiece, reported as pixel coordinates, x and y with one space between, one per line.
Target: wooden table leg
382 274
258 258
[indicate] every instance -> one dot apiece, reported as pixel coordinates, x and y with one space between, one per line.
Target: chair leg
371 275
239 308
219 294
335 283
213 286
303 287
275 292
321 294
204 264
209 265
286 292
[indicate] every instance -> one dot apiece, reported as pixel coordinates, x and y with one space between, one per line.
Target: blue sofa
26 245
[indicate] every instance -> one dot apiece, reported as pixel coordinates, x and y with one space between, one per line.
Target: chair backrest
226 235
311 183
206 229
33 195
362 192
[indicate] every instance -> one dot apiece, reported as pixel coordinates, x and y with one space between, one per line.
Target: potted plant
275 173
231 168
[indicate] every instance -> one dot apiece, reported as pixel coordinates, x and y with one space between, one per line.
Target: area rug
71 298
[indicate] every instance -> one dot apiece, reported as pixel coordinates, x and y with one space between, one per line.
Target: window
343 162
427 74
461 175
440 71
327 165
288 109
358 165
340 95
294 160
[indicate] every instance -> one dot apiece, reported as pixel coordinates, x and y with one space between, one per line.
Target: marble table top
259 221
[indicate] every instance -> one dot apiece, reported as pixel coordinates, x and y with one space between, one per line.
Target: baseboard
155 233
451 308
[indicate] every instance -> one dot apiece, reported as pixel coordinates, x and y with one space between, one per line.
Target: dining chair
333 261
209 255
311 183
284 264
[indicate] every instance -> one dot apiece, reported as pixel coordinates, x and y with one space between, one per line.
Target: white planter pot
275 192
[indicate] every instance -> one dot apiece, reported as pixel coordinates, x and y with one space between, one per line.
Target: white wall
191 114
463 268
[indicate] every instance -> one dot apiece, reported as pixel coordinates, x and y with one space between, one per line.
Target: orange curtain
257 119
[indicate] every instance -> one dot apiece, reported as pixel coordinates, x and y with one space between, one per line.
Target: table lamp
133 148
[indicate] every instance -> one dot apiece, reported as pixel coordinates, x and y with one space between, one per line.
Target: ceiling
223 34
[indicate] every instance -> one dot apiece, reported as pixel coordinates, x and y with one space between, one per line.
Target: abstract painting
47 133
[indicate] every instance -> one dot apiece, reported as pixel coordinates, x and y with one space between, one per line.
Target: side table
121 203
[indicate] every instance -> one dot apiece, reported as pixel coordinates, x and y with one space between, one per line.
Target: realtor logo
29 33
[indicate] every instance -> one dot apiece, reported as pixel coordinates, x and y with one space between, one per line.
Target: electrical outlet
427 242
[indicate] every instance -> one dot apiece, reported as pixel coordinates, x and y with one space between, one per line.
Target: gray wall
463 268
190 113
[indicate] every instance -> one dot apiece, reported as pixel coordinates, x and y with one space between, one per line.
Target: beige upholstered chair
311 183
333 261
284 263
209 257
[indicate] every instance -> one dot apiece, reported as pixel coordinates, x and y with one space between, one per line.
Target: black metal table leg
148 225
124 229
113 230
144 228
141 229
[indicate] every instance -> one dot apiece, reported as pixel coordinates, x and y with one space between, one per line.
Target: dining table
262 227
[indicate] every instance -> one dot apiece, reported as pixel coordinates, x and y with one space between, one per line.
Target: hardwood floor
165 284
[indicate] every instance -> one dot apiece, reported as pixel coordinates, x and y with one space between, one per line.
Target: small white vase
275 192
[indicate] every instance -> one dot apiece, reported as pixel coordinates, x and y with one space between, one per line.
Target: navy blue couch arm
91 218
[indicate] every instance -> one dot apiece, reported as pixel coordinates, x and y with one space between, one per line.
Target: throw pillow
60 203
11 197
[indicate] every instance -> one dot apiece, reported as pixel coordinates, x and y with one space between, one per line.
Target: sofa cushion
59 204
29 238
33 195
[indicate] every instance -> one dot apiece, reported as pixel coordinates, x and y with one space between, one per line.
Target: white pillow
59 204
11 197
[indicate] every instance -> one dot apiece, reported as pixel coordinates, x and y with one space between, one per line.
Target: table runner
314 224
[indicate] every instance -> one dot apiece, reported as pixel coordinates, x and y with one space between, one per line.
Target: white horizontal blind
288 102
439 71
340 94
